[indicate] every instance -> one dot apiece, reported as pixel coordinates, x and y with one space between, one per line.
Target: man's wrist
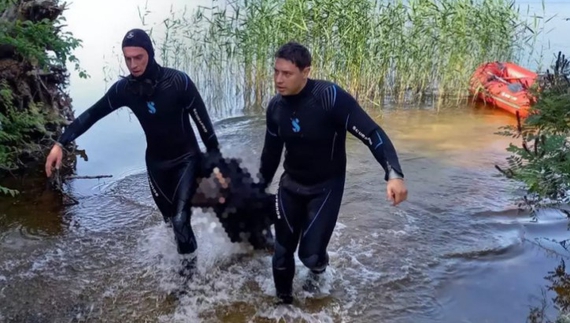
392 174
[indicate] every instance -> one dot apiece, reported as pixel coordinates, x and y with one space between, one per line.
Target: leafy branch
542 161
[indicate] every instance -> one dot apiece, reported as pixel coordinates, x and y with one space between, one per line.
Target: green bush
34 52
542 161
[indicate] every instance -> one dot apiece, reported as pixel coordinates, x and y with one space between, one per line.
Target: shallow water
457 251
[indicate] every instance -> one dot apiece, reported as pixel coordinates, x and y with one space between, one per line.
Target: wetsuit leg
291 209
323 209
162 202
173 185
183 193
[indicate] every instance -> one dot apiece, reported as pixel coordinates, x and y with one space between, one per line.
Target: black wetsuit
312 126
162 103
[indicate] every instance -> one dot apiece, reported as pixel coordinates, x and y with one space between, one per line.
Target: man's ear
306 71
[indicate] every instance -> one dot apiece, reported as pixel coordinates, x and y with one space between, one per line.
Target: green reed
379 50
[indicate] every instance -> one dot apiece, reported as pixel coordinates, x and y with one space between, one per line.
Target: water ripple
114 260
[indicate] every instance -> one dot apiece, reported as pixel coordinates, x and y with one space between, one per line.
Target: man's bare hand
396 191
54 159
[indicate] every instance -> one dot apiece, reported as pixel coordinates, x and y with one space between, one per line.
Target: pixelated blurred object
242 206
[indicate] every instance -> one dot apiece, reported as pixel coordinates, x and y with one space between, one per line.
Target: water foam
228 274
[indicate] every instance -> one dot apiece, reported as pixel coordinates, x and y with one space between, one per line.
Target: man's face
136 59
289 79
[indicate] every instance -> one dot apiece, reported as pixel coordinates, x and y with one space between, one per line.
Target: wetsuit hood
144 84
139 38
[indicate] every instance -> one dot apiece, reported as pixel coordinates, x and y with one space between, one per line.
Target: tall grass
380 50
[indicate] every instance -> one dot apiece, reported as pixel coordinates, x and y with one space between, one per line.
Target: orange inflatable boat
504 85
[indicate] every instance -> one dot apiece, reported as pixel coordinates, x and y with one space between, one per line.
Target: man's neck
302 87
303 93
303 90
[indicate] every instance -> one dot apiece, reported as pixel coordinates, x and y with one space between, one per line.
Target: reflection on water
558 283
440 257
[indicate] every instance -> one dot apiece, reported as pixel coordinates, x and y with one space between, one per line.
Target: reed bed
380 50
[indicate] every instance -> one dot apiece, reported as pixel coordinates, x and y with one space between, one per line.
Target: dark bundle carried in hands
242 206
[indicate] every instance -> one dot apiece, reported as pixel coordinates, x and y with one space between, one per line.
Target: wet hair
296 54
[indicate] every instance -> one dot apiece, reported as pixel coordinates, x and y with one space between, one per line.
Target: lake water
457 251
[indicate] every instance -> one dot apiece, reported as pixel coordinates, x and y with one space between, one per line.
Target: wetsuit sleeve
111 101
272 147
348 113
194 104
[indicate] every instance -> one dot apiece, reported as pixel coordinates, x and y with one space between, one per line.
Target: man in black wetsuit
161 98
311 118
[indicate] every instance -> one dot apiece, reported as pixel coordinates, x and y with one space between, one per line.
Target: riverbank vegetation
404 52
34 51
542 161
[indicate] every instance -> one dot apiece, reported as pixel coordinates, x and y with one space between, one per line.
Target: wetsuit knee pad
315 263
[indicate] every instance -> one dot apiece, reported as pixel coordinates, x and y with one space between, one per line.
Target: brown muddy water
456 251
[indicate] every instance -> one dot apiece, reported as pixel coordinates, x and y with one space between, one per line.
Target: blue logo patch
151 107
295 124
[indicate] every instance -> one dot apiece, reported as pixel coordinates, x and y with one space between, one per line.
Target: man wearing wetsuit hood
161 98
310 118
